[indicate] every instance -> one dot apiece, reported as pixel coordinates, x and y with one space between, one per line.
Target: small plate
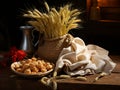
39 74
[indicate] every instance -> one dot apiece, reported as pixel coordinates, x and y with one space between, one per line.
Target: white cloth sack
81 59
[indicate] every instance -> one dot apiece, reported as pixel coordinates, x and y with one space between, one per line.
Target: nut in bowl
33 67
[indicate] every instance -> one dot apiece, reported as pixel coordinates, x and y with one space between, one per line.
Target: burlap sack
51 48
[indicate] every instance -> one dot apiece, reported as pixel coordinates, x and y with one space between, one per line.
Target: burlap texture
51 48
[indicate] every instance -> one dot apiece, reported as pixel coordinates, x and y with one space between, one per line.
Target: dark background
103 34
11 18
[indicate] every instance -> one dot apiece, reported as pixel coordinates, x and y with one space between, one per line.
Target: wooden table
110 82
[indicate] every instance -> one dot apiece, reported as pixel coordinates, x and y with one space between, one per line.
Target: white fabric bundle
81 59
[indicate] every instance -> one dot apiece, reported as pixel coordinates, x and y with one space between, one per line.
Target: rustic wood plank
109 82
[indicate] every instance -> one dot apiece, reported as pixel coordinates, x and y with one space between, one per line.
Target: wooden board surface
109 82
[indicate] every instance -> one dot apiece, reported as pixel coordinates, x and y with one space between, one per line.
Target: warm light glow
108 3
103 2
99 2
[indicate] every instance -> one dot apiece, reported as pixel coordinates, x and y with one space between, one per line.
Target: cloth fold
81 59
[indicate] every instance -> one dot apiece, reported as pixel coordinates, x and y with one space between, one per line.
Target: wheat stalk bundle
54 23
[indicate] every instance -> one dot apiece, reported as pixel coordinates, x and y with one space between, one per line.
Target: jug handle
40 40
33 38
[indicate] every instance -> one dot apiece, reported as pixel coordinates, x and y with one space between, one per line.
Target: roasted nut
32 66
